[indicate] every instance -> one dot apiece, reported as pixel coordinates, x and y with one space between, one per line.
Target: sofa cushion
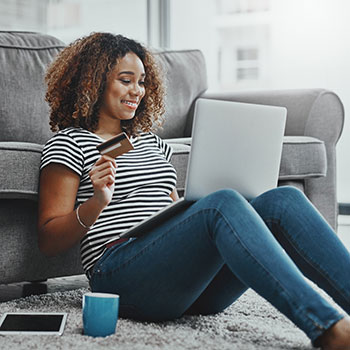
303 157
24 114
185 79
179 160
19 170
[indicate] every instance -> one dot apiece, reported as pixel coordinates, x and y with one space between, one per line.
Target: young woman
200 261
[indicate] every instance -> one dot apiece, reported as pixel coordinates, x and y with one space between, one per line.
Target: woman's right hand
102 176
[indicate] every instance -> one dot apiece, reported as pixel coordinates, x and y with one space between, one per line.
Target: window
232 34
241 6
70 19
247 66
22 15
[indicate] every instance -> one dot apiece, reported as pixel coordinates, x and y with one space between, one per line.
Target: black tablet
33 323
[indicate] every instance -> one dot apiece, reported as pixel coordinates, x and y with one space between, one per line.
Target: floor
17 290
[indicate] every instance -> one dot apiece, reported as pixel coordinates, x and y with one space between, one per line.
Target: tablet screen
33 323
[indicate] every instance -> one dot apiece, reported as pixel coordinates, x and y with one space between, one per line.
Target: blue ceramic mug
100 314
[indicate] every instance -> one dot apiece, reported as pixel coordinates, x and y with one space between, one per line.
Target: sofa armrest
311 112
19 170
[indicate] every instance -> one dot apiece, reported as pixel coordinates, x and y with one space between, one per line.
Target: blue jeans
205 258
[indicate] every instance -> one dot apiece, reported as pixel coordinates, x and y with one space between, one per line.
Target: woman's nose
137 89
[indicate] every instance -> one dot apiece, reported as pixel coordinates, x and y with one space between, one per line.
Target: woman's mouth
131 104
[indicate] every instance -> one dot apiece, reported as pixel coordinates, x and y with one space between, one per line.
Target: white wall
298 31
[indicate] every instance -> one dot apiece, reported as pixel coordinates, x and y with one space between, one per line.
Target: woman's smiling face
124 90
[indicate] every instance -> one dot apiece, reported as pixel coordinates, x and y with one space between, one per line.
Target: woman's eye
128 81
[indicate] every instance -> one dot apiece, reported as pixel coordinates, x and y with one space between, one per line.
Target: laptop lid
234 145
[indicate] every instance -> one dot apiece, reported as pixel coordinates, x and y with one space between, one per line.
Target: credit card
116 146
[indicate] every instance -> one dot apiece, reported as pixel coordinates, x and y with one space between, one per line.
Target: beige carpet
251 323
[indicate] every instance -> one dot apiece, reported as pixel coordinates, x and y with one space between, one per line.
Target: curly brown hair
77 78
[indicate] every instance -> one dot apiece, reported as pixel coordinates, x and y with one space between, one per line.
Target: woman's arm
58 226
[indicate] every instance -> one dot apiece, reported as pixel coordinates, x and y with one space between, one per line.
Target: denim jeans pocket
98 267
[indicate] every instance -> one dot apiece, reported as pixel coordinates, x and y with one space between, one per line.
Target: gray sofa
314 125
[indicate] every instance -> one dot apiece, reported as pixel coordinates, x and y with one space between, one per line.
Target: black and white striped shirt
143 183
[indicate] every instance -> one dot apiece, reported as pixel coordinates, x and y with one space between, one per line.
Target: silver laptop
234 145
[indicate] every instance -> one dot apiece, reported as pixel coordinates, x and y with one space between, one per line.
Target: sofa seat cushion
179 159
19 170
303 157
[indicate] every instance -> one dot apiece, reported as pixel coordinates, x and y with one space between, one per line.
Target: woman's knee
224 197
281 196
289 192
222 202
